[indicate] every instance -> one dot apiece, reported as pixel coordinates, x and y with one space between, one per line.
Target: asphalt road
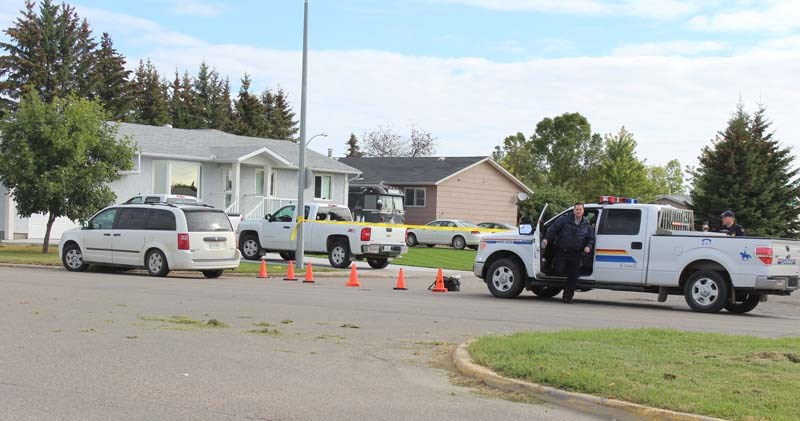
86 347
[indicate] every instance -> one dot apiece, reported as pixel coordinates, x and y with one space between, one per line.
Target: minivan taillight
764 254
366 234
183 241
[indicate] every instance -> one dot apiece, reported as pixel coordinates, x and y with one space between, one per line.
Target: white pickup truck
646 248
340 240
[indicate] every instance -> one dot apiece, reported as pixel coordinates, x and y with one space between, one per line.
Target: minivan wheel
213 273
250 247
156 263
339 255
73 258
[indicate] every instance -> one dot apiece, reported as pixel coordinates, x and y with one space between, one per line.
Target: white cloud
769 15
670 48
650 8
195 8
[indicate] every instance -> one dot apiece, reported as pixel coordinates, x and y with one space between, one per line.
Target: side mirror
85 225
268 217
526 229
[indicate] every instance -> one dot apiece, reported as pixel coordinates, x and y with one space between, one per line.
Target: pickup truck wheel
339 255
706 291
250 247
411 240
545 291
287 255
505 279
378 262
459 242
749 303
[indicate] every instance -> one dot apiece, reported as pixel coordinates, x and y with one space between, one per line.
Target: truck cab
377 203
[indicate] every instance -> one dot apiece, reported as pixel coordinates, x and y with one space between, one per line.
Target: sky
472 72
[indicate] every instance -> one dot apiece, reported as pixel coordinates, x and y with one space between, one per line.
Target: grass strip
437 257
726 376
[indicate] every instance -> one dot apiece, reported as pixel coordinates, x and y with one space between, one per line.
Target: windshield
207 221
388 203
468 224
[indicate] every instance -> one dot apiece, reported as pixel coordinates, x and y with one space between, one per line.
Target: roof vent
330 152
169 126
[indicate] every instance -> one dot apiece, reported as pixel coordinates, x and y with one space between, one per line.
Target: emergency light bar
617 199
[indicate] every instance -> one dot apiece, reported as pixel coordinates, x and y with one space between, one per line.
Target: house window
260 182
322 187
272 183
176 178
415 197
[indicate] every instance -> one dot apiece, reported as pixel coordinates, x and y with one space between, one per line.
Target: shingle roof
677 198
393 170
214 145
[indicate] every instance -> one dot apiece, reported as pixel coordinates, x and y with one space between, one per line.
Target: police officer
729 225
573 235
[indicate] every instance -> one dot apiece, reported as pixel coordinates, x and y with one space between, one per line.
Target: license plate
216 245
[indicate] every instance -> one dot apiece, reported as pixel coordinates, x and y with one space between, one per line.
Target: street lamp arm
316 135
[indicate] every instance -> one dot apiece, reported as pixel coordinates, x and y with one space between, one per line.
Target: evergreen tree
151 104
281 118
746 170
113 87
222 112
250 118
353 151
51 51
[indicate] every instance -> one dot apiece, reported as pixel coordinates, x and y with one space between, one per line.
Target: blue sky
474 71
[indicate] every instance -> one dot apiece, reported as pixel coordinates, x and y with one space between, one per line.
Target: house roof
418 171
684 199
217 146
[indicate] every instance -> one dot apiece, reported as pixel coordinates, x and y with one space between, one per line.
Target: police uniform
571 238
735 230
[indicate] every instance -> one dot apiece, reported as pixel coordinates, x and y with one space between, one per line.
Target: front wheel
339 255
706 291
459 242
545 291
73 258
377 262
250 247
746 305
287 255
505 278
211 274
156 263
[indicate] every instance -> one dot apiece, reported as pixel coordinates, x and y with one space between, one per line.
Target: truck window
336 214
620 222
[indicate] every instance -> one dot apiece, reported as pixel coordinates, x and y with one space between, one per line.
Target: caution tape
378 224
300 221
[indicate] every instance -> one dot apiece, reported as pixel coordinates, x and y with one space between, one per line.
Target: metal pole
301 167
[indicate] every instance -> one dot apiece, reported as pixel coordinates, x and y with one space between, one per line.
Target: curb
467 367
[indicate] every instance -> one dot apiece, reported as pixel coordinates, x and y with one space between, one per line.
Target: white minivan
159 237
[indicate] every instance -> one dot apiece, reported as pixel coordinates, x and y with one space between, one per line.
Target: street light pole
301 167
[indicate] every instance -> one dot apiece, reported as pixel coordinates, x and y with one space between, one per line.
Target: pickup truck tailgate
785 258
388 236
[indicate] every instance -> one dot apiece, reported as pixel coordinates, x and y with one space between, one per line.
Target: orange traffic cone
309 278
401 281
290 273
263 272
353 282
439 287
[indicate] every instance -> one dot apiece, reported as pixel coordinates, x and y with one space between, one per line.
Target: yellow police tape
301 220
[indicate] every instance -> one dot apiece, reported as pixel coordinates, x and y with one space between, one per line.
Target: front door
277 233
620 246
97 237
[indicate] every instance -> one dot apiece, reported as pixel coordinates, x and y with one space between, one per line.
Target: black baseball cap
727 213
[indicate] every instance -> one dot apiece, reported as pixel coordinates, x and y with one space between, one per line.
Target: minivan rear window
207 221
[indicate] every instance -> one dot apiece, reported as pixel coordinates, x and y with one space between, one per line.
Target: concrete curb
582 401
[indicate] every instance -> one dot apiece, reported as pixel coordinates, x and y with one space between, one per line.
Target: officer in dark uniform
729 225
573 235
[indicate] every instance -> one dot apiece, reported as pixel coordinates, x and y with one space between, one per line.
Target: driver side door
97 237
276 233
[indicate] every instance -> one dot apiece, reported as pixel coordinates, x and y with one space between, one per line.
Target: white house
246 175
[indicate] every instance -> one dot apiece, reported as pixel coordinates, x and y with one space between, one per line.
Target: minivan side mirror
526 229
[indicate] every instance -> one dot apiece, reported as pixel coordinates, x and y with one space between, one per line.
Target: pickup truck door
276 233
620 247
537 243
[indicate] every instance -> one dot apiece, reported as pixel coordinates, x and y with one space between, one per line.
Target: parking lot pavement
108 346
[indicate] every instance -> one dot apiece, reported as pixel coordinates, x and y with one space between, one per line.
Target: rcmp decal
613 256
745 255
786 261
705 242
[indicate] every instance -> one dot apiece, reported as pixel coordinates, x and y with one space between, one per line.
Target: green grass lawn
726 376
438 257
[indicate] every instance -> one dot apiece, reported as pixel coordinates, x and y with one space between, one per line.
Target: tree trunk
50 219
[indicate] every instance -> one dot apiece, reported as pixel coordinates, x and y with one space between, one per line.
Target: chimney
330 152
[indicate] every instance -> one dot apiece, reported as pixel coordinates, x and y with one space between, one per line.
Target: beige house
473 188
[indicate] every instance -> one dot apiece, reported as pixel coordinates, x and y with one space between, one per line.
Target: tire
505 278
339 255
73 258
411 240
287 255
748 304
706 291
156 263
250 247
458 242
545 291
211 274
378 262
430 245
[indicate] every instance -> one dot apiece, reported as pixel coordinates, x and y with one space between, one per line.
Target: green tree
747 170
518 157
674 177
281 118
113 88
353 151
51 51
150 101
184 109
619 171
250 117
58 158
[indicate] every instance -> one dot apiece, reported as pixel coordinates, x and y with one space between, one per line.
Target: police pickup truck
646 248
328 229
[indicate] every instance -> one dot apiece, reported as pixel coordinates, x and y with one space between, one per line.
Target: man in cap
729 225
